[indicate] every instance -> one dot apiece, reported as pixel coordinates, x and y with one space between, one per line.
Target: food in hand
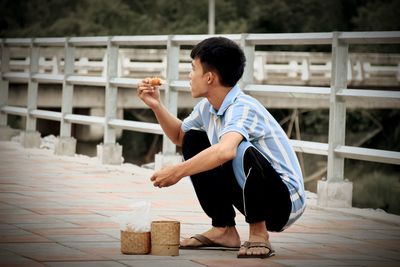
156 81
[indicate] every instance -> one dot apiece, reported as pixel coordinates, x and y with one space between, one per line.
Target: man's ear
210 78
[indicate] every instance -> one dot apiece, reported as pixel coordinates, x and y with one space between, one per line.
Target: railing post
6 133
335 191
249 52
5 62
66 145
31 138
110 152
169 155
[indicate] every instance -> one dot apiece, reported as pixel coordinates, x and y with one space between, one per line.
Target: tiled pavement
56 211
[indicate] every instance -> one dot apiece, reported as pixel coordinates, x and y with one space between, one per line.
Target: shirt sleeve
194 121
240 119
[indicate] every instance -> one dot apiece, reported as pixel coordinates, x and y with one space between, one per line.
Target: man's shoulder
247 100
202 104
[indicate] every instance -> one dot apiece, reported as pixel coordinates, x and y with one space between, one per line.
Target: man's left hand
166 177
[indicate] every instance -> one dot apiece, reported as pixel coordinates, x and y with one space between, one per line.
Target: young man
236 154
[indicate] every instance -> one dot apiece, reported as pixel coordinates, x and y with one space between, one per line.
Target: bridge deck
55 211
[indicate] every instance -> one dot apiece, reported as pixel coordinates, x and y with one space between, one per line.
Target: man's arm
207 159
171 125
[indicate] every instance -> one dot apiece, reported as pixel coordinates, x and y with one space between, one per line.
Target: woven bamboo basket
135 243
165 238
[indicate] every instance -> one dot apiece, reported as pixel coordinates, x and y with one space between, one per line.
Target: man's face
198 79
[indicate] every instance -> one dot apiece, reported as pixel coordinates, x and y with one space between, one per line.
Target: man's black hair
222 55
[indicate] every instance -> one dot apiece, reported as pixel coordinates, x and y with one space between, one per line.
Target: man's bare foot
224 236
258 235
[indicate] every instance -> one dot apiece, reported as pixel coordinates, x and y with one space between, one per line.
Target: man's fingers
145 90
157 184
153 178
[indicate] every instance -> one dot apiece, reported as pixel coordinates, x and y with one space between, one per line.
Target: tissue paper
137 219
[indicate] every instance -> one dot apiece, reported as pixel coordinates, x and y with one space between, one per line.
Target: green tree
378 15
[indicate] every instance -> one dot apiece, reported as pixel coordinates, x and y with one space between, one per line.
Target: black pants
264 198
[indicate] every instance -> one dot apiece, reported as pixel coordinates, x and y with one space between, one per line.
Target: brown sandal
248 245
207 244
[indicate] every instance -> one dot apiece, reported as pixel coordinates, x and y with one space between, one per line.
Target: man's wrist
157 107
181 169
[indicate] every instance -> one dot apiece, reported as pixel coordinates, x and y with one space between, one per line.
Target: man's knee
194 141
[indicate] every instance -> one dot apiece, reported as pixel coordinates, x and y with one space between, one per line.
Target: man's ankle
258 229
223 228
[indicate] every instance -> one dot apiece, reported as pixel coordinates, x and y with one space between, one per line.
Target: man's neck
217 96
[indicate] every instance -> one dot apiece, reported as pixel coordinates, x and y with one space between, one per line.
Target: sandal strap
248 244
258 245
203 240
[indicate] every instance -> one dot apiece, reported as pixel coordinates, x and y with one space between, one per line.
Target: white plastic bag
137 219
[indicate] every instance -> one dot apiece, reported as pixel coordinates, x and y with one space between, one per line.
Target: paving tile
394 234
95 225
64 231
351 256
73 218
54 225
85 264
52 211
317 263
372 263
239 262
5 206
6 226
206 254
164 263
367 235
106 249
26 218
114 232
8 259
20 236
286 238
49 252
325 238
13 211
374 250
62 239
390 244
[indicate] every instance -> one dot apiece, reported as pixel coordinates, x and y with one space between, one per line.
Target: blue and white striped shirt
244 114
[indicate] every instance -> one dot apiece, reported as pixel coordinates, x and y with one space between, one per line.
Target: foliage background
20 18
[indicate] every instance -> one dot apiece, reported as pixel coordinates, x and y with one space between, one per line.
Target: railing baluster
111 92
337 121
67 89
31 138
32 87
249 52
335 185
4 84
110 152
171 101
66 145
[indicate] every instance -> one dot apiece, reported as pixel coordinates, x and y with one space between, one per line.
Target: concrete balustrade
273 67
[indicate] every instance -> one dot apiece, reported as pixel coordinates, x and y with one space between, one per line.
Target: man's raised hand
148 91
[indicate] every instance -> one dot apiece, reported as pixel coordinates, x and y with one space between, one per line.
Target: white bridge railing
113 78
273 67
